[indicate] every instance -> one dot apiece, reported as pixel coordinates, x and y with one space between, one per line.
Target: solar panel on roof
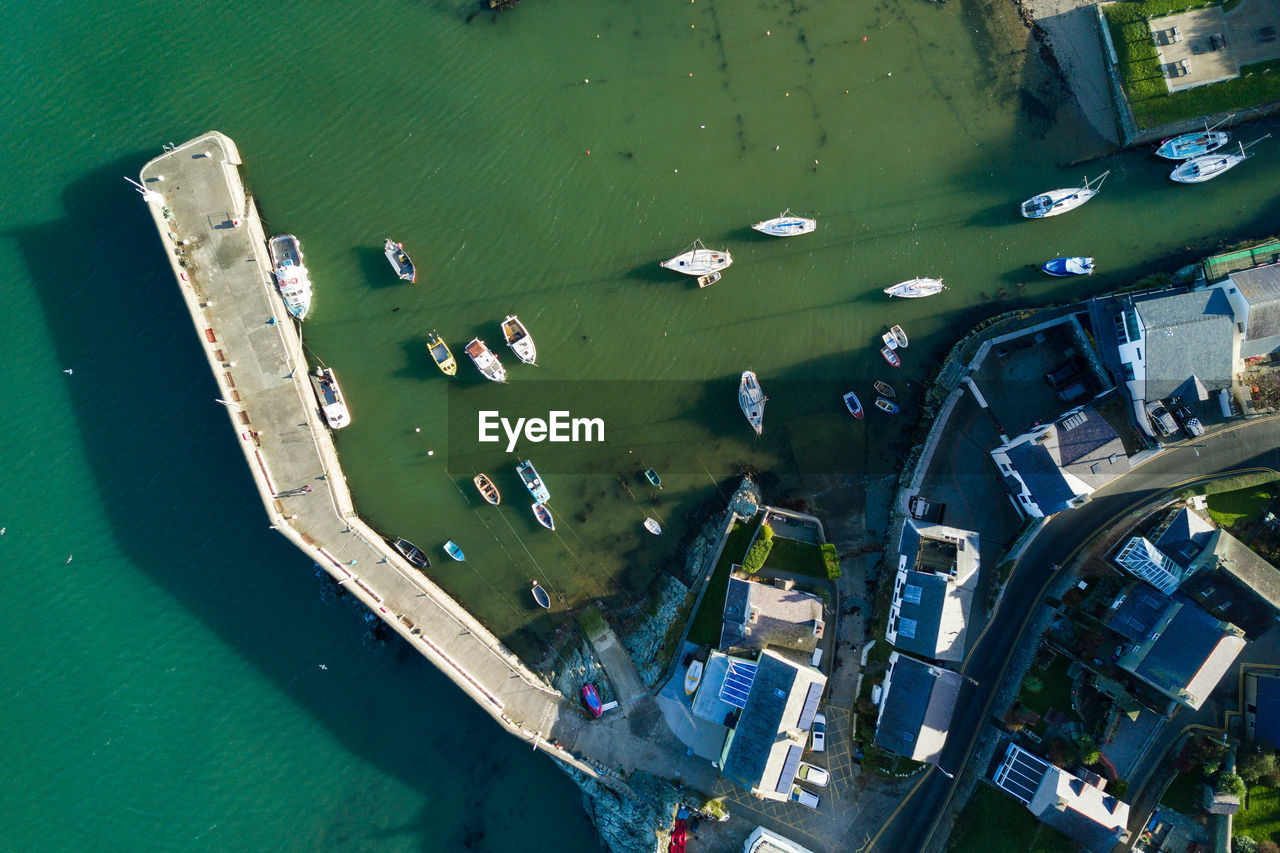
737 684
907 628
911 595
789 767
810 706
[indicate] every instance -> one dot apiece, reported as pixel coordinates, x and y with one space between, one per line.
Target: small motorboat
885 406
291 274
532 482
708 279
1206 167
592 698
451 548
1059 201
899 336
752 399
412 553
884 389
653 526
518 338
916 288
852 403
399 260
543 515
653 478
698 260
441 354
891 357
487 489
541 597
692 677
786 225
485 361
1062 267
332 404
889 340
1195 143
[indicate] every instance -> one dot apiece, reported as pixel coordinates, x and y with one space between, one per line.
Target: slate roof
916 708
1232 556
1189 650
784 618
1041 476
1080 811
1079 446
918 624
1185 537
1138 613
1260 287
1187 335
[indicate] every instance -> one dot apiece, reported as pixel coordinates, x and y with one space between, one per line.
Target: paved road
1248 445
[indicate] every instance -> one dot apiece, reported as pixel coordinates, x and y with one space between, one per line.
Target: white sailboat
1206 167
752 399
698 260
1057 201
291 275
916 288
786 225
1188 145
519 339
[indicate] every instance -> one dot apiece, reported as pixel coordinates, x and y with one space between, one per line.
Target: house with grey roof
1081 811
1057 466
1233 582
933 591
760 615
1135 611
916 704
1185 654
1254 295
778 700
1182 535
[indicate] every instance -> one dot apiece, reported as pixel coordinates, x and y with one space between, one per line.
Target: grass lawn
1261 821
802 558
1183 793
1243 506
1056 692
995 821
705 630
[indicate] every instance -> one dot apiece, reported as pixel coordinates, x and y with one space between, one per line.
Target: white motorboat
899 336
399 260
291 274
332 403
752 399
532 482
519 339
916 288
889 340
786 225
485 361
1061 200
1062 267
1206 167
698 260
653 526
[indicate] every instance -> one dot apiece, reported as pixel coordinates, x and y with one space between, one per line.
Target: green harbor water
162 672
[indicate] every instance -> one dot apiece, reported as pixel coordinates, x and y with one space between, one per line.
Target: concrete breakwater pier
216 245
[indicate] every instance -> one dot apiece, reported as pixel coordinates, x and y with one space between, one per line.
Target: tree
1033 684
831 560
1230 783
1268 847
1089 751
759 550
1257 764
1243 844
1118 788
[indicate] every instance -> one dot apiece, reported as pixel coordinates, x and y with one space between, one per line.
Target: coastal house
915 708
1182 535
1057 466
1254 295
760 615
933 591
1082 811
1231 579
1184 653
778 699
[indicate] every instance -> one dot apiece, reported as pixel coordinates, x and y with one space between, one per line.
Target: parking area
1193 48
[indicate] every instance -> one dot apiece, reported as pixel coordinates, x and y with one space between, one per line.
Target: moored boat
399 260
592 697
485 361
885 406
899 336
889 340
543 515
332 403
532 482
708 279
540 596
752 399
786 225
854 406
1195 143
884 389
652 476
891 357
415 555
1061 267
1061 200
441 354
693 677
916 288
519 339
1197 170
451 548
653 526
487 489
698 260
291 275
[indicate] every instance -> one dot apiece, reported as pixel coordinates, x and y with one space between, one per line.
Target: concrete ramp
617 663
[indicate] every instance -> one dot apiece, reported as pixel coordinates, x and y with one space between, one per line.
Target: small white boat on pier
786 224
291 275
693 677
1197 170
752 399
698 260
916 288
332 404
485 361
1058 201
519 339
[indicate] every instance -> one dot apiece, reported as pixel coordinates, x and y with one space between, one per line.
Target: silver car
813 774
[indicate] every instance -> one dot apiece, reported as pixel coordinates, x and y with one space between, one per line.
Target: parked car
1074 391
803 797
813 774
1189 421
926 510
1063 372
1161 419
818 737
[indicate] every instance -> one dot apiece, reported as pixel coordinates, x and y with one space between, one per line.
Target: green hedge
831 560
759 550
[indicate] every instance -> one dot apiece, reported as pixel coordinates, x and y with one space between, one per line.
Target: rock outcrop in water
629 824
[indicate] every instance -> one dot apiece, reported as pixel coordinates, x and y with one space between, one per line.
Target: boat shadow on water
374 270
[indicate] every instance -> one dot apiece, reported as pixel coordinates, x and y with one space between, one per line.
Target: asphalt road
1253 444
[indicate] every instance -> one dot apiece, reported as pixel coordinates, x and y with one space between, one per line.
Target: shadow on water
250 587
375 269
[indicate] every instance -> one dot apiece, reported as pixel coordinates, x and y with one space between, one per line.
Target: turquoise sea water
163 688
